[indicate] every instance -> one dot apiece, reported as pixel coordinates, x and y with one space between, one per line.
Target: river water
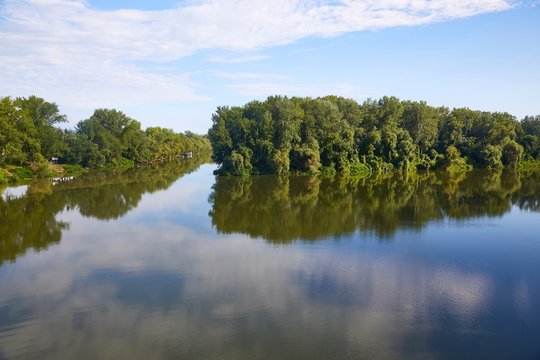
171 262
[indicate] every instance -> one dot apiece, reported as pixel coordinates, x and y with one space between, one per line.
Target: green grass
11 174
5 177
20 173
72 170
121 163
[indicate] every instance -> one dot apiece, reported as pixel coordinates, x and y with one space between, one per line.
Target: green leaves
29 136
334 134
109 136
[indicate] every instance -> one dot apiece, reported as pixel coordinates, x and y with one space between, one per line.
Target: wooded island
334 134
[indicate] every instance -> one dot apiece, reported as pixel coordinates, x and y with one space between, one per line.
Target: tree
334 134
529 136
421 121
511 153
491 156
115 134
10 136
44 116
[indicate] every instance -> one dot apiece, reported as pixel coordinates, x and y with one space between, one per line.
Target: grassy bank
11 174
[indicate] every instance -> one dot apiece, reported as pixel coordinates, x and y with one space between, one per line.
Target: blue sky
171 63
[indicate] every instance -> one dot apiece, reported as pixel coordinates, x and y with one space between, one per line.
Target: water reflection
240 299
283 209
29 220
159 282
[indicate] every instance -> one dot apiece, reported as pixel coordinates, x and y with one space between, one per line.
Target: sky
171 63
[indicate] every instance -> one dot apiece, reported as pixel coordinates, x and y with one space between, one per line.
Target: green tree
11 138
45 116
422 123
116 135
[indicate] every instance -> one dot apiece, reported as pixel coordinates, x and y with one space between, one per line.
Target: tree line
335 134
30 136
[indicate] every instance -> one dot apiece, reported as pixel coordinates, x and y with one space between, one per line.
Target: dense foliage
29 137
334 134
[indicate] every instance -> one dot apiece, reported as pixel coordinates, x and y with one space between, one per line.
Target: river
171 262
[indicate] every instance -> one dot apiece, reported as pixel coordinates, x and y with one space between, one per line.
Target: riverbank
12 174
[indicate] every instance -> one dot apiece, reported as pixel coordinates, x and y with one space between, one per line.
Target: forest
334 134
30 137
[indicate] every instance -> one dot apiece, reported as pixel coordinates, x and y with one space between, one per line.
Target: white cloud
71 53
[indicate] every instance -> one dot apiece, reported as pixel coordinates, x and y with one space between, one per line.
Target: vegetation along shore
334 134
31 141
279 135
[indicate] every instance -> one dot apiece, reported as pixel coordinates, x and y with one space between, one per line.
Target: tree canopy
29 136
335 134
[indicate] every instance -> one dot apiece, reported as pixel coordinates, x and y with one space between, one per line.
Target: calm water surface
172 262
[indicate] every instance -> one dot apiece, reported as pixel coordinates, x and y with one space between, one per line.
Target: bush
360 170
20 173
5 177
41 167
71 170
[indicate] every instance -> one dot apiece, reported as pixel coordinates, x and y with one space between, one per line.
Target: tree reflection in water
280 209
29 222
287 208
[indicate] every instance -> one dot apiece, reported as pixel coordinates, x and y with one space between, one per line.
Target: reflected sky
163 280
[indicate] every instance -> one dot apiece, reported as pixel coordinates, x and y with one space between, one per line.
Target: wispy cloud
86 56
240 75
238 59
